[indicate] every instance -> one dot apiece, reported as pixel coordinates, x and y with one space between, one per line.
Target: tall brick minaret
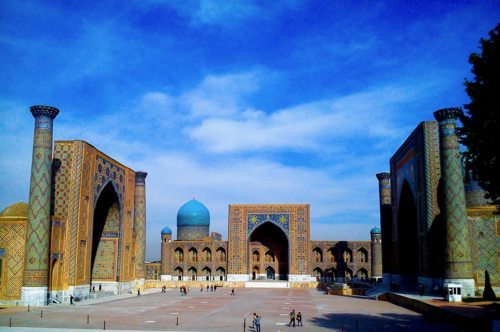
36 274
384 188
140 225
457 255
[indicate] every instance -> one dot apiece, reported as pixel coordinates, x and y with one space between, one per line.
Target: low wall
441 314
347 291
231 284
193 284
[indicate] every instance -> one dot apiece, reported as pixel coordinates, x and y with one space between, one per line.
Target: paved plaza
219 311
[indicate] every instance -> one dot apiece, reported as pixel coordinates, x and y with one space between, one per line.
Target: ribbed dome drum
193 221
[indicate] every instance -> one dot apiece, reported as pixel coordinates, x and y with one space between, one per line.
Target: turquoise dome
193 213
166 230
375 230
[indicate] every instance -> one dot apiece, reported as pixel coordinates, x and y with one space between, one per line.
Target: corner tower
376 246
166 240
36 263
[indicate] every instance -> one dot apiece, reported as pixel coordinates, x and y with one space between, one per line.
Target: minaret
36 259
457 255
140 225
376 259
384 189
166 239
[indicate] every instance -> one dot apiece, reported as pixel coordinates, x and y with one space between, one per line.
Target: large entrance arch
105 236
269 239
407 238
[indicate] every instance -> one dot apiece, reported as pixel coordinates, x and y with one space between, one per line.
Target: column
36 260
457 255
140 223
384 188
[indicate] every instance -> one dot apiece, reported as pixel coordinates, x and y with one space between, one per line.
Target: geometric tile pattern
38 231
12 238
105 171
297 230
105 261
140 222
458 264
280 220
73 211
484 244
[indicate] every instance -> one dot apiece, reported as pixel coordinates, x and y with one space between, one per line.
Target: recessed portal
271 242
106 232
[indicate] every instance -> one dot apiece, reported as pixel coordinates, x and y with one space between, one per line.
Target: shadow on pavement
384 322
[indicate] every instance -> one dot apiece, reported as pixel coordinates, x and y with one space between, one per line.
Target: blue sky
236 101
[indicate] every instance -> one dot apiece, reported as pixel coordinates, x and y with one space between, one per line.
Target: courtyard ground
219 311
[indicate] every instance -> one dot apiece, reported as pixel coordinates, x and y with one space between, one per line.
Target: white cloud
360 115
222 95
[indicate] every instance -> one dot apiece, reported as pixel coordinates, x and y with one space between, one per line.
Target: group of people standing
295 317
212 288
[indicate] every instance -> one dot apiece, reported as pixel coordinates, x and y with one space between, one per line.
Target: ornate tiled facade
80 223
435 237
12 248
266 241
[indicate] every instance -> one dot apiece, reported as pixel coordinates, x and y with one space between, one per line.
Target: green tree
481 124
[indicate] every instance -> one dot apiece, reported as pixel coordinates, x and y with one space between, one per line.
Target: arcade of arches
265 242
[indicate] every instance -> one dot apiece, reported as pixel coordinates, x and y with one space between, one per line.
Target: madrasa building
437 226
265 242
83 234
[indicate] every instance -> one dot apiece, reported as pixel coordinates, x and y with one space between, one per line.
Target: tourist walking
292 318
232 291
253 319
299 319
257 323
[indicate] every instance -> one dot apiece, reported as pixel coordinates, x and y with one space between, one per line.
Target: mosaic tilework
105 261
112 225
62 178
85 217
484 244
298 233
106 171
457 251
188 233
140 223
71 244
281 220
37 244
12 239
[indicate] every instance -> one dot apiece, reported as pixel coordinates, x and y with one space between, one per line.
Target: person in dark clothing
232 291
71 299
299 319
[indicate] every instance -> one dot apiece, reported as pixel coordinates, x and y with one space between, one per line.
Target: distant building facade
437 226
265 242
